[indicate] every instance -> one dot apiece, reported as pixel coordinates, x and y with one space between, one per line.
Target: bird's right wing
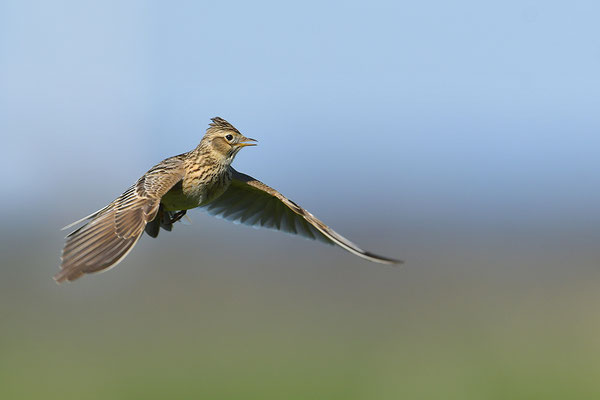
114 230
251 202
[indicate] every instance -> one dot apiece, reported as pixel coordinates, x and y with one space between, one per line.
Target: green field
153 330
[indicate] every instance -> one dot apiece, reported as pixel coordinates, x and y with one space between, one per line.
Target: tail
163 219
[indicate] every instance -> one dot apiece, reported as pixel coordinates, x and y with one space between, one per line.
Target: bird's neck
204 156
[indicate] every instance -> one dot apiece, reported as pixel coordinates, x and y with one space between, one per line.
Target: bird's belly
179 198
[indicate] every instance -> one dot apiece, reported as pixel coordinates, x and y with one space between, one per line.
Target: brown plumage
201 177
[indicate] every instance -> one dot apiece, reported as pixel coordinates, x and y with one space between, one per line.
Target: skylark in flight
204 178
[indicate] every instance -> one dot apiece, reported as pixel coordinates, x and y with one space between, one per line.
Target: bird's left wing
251 202
112 231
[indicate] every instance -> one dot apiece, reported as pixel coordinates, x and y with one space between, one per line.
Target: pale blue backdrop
440 110
461 136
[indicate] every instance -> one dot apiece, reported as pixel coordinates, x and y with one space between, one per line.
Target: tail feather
166 221
163 220
152 228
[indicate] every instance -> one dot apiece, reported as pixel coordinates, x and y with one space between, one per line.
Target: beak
243 144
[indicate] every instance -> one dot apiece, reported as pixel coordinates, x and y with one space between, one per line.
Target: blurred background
461 137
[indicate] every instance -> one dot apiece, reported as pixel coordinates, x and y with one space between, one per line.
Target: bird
202 177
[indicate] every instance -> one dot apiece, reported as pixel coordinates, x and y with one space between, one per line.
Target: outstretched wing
251 202
114 230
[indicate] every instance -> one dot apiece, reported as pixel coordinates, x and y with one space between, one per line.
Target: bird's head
223 140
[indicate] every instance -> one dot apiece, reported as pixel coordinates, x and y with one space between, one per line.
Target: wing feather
111 232
251 202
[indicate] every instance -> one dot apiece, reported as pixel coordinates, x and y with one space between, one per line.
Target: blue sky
442 110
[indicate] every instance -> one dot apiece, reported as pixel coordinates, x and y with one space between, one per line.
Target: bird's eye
229 138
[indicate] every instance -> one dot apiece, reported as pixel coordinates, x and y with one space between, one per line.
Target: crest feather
219 123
